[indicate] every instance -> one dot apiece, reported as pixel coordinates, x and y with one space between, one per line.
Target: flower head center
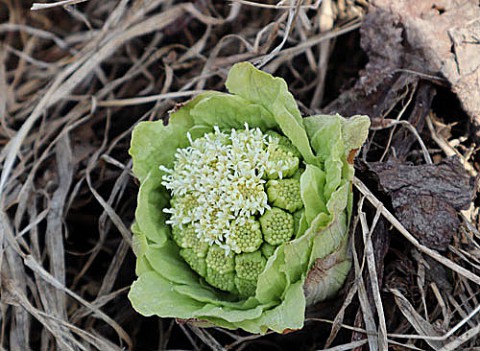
218 181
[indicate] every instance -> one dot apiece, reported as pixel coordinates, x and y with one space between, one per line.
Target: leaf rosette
254 254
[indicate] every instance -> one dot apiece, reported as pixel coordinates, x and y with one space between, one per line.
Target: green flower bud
184 207
201 248
281 159
245 236
285 193
284 143
185 237
219 261
246 287
277 226
222 281
249 265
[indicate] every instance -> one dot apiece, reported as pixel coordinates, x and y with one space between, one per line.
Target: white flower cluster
217 182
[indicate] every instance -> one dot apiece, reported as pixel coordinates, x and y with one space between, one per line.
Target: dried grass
76 76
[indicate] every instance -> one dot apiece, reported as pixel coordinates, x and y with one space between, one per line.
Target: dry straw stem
373 334
349 346
41 6
372 271
281 4
326 22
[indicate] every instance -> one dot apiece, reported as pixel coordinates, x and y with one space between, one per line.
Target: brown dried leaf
426 198
445 36
378 86
430 39
324 272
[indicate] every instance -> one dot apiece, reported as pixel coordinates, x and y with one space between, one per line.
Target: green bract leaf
154 144
152 295
271 273
272 93
312 183
232 111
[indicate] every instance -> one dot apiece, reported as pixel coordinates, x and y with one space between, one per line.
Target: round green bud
277 226
245 236
198 264
219 261
285 193
249 265
186 204
185 237
281 163
222 281
245 287
267 249
201 248
284 143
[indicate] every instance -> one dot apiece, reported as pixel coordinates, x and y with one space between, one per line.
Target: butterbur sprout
240 197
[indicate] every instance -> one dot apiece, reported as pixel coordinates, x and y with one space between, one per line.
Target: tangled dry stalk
76 76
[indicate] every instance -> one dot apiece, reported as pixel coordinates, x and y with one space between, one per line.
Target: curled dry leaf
426 198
